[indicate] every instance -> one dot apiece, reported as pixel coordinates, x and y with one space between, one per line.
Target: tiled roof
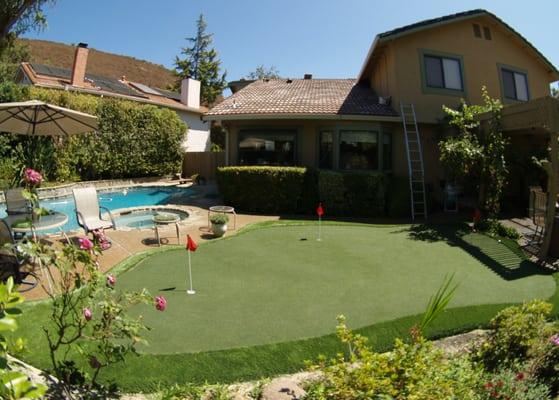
305 97
53 77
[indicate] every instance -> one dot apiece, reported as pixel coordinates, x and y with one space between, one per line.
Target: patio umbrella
37 118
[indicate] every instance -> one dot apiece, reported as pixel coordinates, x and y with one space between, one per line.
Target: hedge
262 189
353 193
133 140
291 190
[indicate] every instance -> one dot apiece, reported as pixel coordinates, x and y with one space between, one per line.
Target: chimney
190 93
80 64
307 76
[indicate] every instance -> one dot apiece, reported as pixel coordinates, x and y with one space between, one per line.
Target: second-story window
515 85
443 73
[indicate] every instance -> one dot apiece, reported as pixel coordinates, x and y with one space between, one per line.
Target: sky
327 38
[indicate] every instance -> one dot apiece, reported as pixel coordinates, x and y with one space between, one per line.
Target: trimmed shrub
398 197
352 193
262 189
294 189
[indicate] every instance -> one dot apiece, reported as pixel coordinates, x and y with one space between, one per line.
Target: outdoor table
223 210
51 221
46 222
158 223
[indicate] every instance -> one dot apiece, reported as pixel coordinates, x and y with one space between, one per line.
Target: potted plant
219 224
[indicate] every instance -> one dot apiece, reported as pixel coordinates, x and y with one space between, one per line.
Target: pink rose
555 339
32 177
111 280
160 303
87 314
85 243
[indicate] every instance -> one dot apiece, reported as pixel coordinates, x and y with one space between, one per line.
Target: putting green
269 285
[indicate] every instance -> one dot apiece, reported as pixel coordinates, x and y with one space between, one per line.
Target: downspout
225 128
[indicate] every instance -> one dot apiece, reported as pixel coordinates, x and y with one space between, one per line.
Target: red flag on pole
320 210
190 244
477 216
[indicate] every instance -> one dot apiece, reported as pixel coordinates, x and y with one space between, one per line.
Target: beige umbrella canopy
36 118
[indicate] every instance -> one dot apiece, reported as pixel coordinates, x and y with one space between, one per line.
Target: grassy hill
100 63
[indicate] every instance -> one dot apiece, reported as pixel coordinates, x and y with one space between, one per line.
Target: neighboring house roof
301 98
60 78
431 23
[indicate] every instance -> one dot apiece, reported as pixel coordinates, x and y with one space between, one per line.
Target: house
356 124
186 103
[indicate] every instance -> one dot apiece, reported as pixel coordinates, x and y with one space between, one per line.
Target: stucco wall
198 135
397 72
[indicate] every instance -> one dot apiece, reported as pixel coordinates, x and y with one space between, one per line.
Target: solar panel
51 71
113 85
169 94
103 82
145 88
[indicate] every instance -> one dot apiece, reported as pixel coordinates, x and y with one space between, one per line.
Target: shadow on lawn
497 256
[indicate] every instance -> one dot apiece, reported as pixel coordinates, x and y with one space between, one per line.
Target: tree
555 92
262 72
10 60
477 153
20 16
201 62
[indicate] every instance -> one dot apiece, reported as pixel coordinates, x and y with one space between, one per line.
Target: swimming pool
114 199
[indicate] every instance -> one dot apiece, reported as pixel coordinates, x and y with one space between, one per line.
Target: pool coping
103 185
167 207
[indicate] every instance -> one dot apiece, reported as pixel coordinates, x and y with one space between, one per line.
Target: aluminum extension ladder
416 168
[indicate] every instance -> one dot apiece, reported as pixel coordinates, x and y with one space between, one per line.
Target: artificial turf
267 300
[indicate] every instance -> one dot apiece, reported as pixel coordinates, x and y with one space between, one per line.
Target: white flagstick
319 228
190 291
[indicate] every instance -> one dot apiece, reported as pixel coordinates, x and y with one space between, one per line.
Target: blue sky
328 38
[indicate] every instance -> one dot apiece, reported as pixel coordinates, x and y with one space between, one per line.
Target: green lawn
267 300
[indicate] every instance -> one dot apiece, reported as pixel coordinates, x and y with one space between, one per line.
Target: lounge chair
88 211
15 202
13 265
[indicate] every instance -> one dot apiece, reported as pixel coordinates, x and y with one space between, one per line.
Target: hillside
100 63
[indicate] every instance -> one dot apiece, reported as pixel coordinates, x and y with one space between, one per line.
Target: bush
294 189
219 219
515 331
398 201
262 189
352 193
414 370
134 139
511 385
495 228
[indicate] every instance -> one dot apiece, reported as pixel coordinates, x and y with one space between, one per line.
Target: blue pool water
115 199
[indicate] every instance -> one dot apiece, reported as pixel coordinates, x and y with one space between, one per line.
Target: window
267 147
387 152
477 31
515 85
359 150
487 33
443 73
326 150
